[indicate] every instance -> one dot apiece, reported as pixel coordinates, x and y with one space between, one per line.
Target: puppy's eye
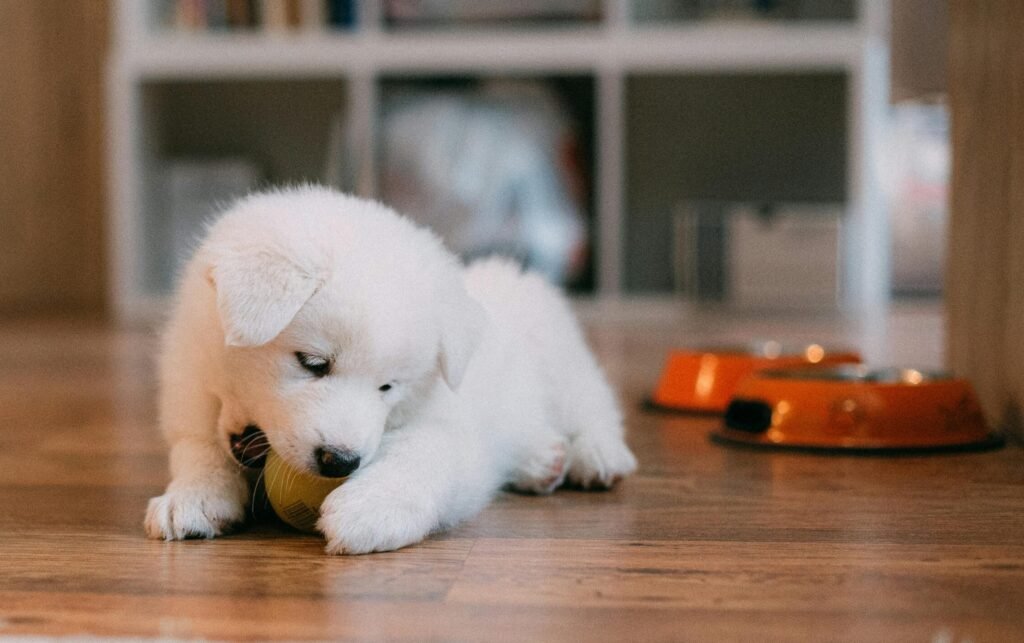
384 388
318 366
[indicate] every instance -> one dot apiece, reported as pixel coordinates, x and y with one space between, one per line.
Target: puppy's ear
258 294
462 327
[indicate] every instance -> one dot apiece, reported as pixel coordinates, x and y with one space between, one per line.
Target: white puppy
360 346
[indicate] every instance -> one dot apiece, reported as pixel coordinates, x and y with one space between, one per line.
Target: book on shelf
436 12
255 15
731 10
240 13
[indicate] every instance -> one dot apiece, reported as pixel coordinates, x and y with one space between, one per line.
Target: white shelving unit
144 55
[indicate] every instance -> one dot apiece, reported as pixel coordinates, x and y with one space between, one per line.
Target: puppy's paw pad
354 522
544 471
195 511
599 462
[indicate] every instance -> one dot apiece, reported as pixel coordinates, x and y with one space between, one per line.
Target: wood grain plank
704 543
183 617
775 576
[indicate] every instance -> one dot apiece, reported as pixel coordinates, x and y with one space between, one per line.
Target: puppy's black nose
336 463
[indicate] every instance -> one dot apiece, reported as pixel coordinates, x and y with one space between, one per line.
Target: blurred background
747 154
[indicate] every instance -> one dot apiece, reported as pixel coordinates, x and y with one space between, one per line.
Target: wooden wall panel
52 54
985 278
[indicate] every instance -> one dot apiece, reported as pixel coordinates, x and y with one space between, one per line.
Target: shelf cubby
737 137
243 122
671 106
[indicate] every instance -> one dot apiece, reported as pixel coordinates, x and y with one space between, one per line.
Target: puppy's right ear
258 294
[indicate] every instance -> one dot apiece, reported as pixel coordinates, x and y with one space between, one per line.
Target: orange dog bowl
850 408
704 381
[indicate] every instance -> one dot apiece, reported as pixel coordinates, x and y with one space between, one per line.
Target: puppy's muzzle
335 463
250 447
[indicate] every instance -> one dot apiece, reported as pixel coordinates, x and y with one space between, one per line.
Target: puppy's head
337 315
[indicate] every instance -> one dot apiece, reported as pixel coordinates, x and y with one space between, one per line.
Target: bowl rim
767 349
859 374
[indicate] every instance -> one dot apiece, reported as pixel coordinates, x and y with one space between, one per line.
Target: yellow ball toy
295 495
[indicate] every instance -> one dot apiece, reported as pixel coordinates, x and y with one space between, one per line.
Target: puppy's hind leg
540 455
579 402
598 461
598 455
543 466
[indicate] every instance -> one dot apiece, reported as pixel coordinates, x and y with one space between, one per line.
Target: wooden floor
705 543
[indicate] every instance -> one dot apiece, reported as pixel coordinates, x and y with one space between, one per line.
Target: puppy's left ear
462 327
258 294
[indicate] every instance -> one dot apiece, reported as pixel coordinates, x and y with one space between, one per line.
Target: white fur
492 381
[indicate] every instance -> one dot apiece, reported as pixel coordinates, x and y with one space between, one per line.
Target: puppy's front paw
356 519
599 461
196 510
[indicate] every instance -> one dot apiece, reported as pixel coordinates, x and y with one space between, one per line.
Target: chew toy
295 495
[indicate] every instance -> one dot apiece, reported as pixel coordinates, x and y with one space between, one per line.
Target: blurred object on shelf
403 13
666 10
494 170
342 14
191 192
918 187
240 13
270 15
769 256
279 15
